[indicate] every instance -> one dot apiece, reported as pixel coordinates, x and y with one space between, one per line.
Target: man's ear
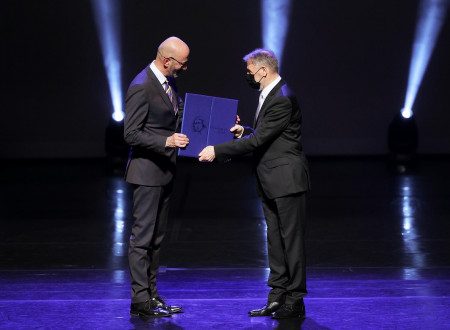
166 62
265 71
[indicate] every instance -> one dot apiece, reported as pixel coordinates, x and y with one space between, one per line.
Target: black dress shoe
147 309
289 311
266 310
158 302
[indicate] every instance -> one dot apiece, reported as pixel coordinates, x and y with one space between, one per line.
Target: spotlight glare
275 22
431 17
108 27
406 113
117 115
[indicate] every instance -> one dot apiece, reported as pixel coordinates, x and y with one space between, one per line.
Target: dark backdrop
346 60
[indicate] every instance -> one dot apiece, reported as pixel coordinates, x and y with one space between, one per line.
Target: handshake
208 154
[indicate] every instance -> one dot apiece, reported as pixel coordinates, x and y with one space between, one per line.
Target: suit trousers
150 210
285 219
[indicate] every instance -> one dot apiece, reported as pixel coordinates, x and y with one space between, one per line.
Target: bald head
173 46
172 54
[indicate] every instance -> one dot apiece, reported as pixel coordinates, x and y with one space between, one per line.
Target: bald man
153 112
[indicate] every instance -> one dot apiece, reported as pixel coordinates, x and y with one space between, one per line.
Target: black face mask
250 78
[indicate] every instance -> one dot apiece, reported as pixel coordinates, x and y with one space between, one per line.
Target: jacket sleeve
276 119
180 113
136 112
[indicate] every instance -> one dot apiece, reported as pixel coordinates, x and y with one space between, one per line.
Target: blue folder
206 121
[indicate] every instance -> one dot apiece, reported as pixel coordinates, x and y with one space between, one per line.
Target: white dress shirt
264 93
161 78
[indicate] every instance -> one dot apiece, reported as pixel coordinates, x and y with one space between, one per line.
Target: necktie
170 94
260 103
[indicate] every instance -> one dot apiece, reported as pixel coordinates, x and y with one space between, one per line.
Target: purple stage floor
378 247
215 298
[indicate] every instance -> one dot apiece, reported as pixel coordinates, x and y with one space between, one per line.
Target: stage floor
378 247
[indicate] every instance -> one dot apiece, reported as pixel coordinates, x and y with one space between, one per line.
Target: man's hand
237 119
237 130
177 140
207 154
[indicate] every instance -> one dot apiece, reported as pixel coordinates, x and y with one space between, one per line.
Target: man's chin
176 74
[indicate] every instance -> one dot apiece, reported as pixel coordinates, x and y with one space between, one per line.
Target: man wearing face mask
153 112
282 180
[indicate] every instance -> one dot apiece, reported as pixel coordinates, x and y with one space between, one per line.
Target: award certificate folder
206 121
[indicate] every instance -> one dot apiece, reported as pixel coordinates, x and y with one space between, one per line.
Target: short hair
263 57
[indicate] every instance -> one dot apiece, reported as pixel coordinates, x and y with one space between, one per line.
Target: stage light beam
107 19
275 23
431 16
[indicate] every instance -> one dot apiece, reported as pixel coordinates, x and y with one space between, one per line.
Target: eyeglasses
249 72
183 65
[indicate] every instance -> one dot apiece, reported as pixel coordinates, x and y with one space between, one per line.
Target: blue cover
206 121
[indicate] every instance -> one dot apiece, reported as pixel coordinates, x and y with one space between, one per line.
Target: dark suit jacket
281 167
149 120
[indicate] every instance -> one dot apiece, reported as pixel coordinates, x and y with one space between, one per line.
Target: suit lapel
268 99
159 88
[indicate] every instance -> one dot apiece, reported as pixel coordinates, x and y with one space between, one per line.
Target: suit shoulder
140 79
144 77
285 91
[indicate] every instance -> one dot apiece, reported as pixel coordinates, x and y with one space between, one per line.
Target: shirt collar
269 87
161 78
